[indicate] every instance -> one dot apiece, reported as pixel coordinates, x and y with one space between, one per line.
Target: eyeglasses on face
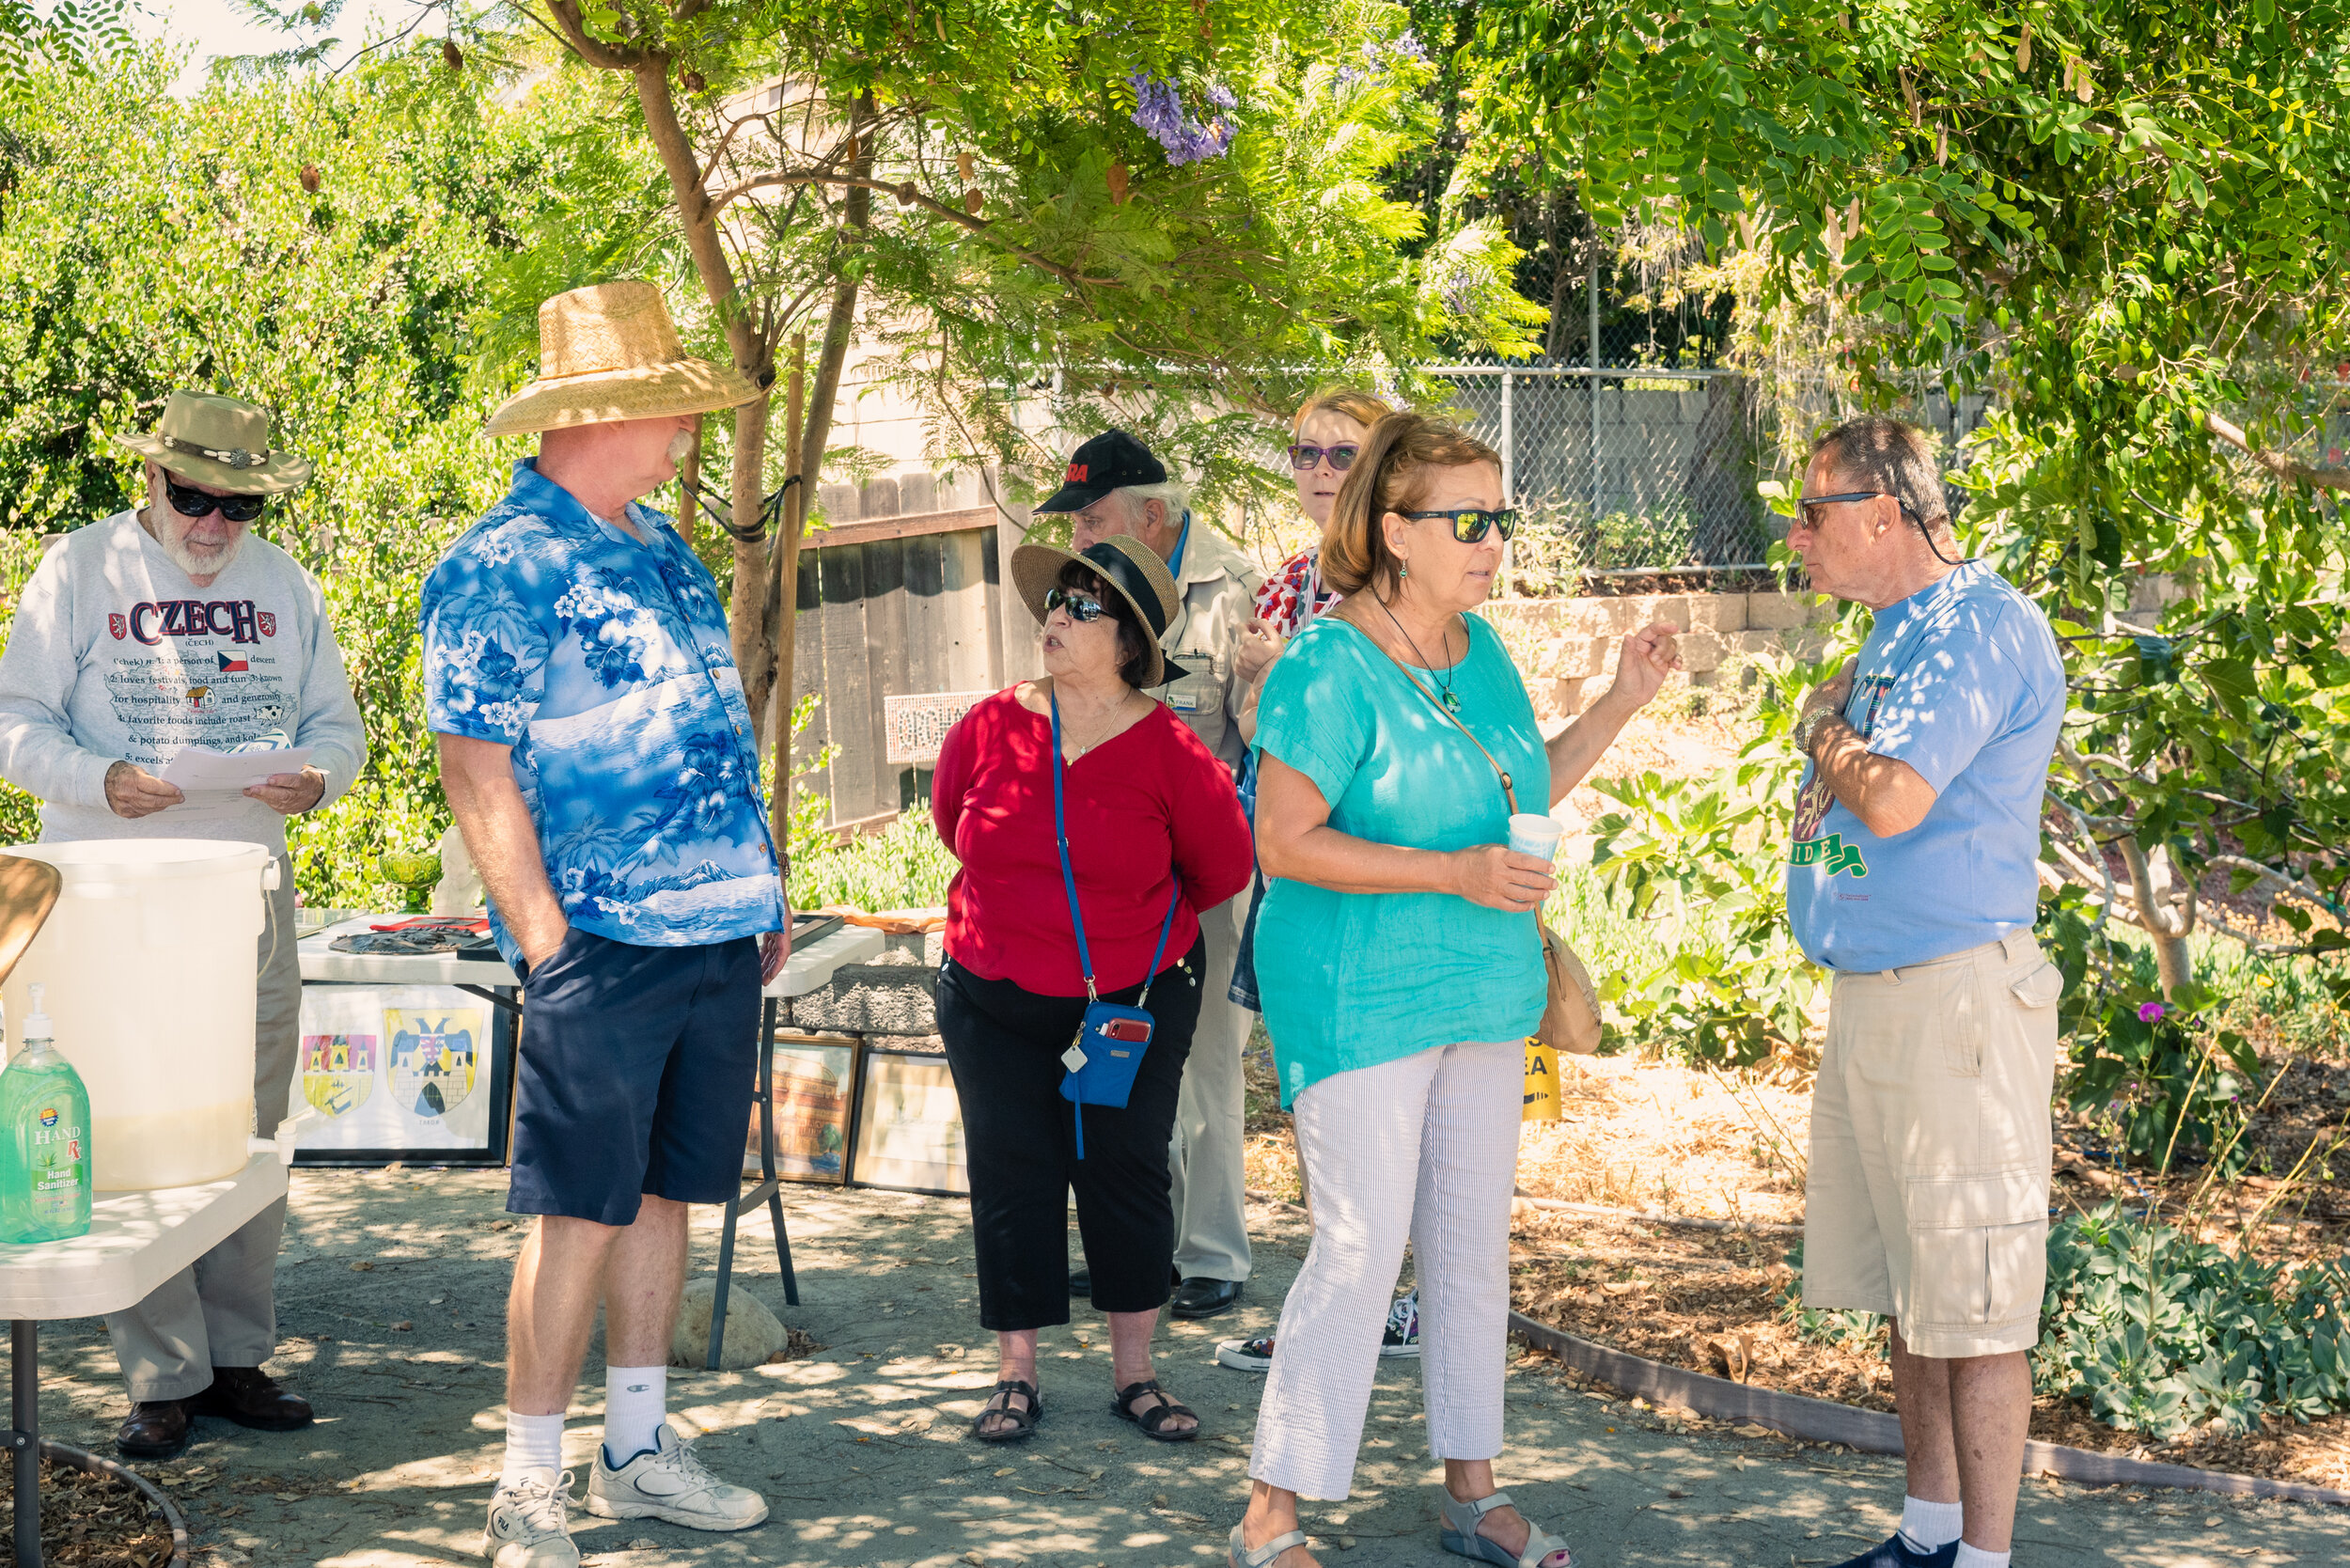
188 501
1469 523
1305 456
1080 605
1812 504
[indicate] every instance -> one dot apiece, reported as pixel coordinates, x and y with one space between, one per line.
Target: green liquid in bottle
44 1141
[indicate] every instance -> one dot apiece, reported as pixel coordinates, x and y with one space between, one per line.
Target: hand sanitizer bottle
44 1141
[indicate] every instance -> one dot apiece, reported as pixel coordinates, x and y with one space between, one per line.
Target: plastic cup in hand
1537 835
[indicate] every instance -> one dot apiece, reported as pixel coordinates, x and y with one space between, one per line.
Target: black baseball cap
1111 461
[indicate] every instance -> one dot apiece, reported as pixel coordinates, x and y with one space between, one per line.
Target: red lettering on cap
1076 473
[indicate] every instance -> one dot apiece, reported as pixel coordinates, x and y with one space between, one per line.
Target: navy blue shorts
636 1076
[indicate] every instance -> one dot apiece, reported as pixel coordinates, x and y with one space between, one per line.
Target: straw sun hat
609 352
1131 568
221 441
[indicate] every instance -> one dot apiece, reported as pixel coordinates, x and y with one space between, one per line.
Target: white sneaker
1402 1334
528 1528
669 1484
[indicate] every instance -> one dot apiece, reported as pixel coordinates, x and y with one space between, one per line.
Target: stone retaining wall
894 994
1562 645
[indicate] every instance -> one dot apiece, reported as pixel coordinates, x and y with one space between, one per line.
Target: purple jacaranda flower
1408 47
2152 1013
1459 289
1159 109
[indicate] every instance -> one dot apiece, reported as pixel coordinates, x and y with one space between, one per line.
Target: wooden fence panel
911 613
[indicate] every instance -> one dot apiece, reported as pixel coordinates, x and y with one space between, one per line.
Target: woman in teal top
1401 968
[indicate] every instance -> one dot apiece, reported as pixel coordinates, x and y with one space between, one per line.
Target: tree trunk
2165 909
754 646
754 642
774 610
787 582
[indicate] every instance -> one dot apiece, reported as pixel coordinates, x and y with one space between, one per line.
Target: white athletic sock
532 1442
1970 1556
635 1403
1932 1525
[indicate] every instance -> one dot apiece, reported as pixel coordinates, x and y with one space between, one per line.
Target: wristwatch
1807 727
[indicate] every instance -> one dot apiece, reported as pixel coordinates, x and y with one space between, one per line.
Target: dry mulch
1709 1302
87 1521
1654 1135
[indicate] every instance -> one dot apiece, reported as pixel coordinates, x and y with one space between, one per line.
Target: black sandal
1024 1422
1154 1420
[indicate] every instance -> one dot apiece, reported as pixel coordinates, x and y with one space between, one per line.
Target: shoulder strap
1508 789
1068 877
1069 882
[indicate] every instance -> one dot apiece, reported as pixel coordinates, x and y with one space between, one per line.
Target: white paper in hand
199 770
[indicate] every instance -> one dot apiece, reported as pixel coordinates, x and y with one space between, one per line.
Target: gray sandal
1240 1556
1460 1536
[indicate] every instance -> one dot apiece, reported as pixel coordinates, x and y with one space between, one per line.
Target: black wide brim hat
1131 568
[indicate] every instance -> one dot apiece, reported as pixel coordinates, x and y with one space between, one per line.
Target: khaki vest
1219 588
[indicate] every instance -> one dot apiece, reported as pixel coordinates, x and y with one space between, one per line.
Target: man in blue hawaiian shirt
596 749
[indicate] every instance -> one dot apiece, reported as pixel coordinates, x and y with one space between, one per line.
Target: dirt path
864 1450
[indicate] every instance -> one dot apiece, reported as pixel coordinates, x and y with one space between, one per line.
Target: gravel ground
391 1294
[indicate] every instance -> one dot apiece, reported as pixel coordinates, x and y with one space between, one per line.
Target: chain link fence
1620 472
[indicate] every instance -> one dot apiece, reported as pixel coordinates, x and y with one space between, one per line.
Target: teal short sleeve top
1355 980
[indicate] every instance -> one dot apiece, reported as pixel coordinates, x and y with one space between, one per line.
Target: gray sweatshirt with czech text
116 655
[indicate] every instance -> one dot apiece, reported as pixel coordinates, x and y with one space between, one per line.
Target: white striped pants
1424 1149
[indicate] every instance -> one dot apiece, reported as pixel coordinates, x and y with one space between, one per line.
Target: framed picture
909 1125
419 1073
812 1083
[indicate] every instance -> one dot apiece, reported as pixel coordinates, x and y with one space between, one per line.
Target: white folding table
830 945
136 1241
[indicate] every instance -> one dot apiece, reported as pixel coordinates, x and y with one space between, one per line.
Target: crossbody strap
1069 882
1508 789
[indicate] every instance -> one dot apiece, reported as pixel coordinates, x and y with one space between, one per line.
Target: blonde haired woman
1401 937
1324 434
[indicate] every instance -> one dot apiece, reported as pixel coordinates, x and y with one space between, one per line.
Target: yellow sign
1542 1082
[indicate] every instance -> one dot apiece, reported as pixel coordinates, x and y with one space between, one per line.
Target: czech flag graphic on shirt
228 664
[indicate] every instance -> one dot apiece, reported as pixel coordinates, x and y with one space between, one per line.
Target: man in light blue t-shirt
1911 876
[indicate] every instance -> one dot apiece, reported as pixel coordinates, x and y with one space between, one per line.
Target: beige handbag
1570 1014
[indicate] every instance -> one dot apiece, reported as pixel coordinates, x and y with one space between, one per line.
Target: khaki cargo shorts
1928 1194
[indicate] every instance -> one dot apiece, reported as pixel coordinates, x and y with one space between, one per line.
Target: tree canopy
2126 223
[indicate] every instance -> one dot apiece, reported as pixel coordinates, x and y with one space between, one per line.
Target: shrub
2159 1332
903 867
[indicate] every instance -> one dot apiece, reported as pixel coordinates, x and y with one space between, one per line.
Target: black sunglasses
1811 503
1080 604
188 501
1302 457
1471 522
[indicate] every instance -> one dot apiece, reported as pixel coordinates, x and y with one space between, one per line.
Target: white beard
202 566
681 447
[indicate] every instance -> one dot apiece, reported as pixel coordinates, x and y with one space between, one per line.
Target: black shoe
1896 1552
155 1429
251 1398
1205 1298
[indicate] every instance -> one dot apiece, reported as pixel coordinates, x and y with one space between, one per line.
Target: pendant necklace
1451 699
1116 708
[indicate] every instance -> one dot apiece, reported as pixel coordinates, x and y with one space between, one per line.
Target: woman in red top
1149 812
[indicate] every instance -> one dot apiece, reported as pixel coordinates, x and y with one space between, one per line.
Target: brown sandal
1154 1420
